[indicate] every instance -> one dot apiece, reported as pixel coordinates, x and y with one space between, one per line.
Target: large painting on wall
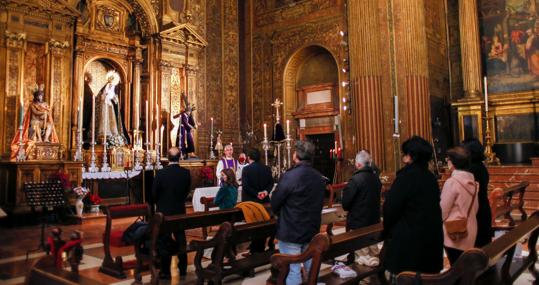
510 44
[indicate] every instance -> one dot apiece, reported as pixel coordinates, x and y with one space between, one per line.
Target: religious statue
187 126
37 124
109 118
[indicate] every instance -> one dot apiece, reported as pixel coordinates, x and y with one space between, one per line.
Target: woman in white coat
459 201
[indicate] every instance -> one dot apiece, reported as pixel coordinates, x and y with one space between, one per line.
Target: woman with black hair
412 215
480 173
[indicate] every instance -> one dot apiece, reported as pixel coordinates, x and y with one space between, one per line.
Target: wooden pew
335 191
338 245
146 250
492 264
224 244
112 238
504 201
208 204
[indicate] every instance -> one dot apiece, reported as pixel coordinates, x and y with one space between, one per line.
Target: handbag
458 229
135 232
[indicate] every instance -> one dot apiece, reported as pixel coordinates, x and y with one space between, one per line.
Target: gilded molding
15 40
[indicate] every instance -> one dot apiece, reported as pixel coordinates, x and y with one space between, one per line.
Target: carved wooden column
470 49
412 68
366 77
14 101
57 89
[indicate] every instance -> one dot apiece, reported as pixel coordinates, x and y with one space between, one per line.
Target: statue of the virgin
109 118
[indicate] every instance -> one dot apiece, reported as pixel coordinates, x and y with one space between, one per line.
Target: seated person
227 196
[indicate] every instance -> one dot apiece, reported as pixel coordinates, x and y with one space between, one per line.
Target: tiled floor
15 242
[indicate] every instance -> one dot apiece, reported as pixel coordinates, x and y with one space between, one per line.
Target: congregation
419 220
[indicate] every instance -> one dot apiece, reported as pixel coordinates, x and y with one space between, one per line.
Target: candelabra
137 166
78 152
491 156
212 154
158 164
266 146
93 167
148 165
278 145
105 166
21 154
289 149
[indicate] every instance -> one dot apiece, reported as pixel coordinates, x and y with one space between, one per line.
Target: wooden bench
338 245
492 264
504 201
115 267
224 245
335 191
44 271
208 204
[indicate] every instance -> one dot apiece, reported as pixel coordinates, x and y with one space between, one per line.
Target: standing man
256 178
361 198
169 190
227 161
298 202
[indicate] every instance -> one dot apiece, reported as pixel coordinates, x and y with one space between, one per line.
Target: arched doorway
311 101
95 80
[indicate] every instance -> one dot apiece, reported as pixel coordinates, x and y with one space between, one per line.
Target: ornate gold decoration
45 151
181 33
15 40
491 156
108 19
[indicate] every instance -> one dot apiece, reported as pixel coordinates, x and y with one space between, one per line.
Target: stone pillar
470 48
412 68
366 77
15 101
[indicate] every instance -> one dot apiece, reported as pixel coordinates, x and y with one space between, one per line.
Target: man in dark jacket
169 190
298 202
361 198
256 179
412 214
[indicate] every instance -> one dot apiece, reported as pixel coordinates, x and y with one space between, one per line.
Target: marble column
412 68
366 77
470 48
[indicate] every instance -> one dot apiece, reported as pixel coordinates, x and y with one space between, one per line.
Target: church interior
99 94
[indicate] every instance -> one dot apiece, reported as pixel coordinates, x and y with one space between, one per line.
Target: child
227 196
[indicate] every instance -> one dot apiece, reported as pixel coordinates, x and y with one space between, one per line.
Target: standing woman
458 202
412 216
480 173
227 196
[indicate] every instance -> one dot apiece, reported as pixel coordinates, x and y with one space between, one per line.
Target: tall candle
486 93
161 137
396 114
93 120
211 129
147 124
265 131
106 129
157 140
288 127
21 118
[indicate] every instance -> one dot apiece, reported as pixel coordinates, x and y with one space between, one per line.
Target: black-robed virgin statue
109 120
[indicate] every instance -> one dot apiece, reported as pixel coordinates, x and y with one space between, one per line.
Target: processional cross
277 105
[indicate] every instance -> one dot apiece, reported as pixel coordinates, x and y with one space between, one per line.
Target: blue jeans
294 275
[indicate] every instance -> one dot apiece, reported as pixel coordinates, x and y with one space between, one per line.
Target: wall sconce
344 69
345 83
346 104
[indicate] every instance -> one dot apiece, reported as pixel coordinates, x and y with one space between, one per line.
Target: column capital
15 40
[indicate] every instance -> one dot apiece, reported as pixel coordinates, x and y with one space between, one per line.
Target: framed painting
510 44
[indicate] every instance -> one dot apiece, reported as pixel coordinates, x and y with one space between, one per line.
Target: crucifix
277 105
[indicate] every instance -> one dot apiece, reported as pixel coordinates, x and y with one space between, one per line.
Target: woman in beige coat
459 201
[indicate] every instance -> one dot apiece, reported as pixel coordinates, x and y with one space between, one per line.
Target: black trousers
166 249
452 254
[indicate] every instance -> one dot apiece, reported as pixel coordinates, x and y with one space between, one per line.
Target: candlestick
265 131
211 129
396 114
147 124
486 93
21 154
287 127
78 152
157 124
161 137
93 167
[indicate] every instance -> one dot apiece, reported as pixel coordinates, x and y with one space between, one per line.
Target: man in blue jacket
298 202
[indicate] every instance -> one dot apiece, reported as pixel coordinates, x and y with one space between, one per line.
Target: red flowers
207 174
63 177
93 199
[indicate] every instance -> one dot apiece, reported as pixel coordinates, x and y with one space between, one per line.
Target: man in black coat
412 214
298 202
169 190
256 179
361 198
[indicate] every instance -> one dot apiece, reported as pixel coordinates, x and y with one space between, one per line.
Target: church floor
16 241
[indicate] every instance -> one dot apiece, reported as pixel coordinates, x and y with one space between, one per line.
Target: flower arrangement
63 177
93 199
207 174
80 192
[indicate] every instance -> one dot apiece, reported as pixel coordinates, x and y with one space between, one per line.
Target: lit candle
486 93
287 127
161 136
157 140
211 129
265 131
147 124
335 145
